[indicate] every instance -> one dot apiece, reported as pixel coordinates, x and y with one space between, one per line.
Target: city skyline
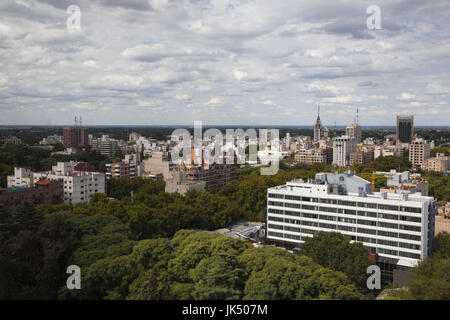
223 62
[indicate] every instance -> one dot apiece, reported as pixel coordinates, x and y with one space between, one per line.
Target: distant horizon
210 125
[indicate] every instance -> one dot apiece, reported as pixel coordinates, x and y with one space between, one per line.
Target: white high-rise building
399 228
342 147
105 145
419 151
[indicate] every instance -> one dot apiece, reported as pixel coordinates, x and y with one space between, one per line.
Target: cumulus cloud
262 62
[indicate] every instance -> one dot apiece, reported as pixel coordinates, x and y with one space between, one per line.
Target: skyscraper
318 126
405 129
354 130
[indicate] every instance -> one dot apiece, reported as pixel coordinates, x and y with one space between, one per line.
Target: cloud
262 62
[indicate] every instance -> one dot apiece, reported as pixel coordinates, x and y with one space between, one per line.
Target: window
309 231
387 207
412 219
387 251
293 229
274 226
388 225
327 226
324 217
277 196
409 237
345 228
309 223
409 255
409 209
275 234
352 212
271 210
387 234
368 231
275 203
409 246
309 215
410 228
367 222
388 216
292 205
275 219
364 239
296 198
387 243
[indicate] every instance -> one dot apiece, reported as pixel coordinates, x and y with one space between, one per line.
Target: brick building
45 192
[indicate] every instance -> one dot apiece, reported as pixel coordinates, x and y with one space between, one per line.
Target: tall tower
318 126
405 129
354 130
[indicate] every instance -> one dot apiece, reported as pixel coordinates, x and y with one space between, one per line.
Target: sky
236 62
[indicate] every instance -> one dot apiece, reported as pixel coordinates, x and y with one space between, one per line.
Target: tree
333 250
219 277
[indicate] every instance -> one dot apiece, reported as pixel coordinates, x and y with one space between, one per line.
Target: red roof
44 182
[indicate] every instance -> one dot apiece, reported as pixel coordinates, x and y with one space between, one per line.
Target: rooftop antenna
357 116
80 121
76 121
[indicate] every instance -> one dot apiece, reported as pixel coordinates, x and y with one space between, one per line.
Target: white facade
419 150
78 185
342 147
400 227
22 178
354 131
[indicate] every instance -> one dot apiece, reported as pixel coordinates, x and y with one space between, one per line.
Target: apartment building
440 163
342 147
419 151
318 155
78 184
354 131
361 157
129 167
76 137
105 145
397 228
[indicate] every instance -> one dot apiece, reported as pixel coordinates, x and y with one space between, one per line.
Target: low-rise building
78 183
361 157
440 163
318 155
44 192
179 183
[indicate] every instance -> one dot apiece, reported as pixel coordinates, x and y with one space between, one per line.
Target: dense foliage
34 256
431 278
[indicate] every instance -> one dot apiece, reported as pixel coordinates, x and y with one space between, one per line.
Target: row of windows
347 220
346 228
347 203
346 211
360 239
